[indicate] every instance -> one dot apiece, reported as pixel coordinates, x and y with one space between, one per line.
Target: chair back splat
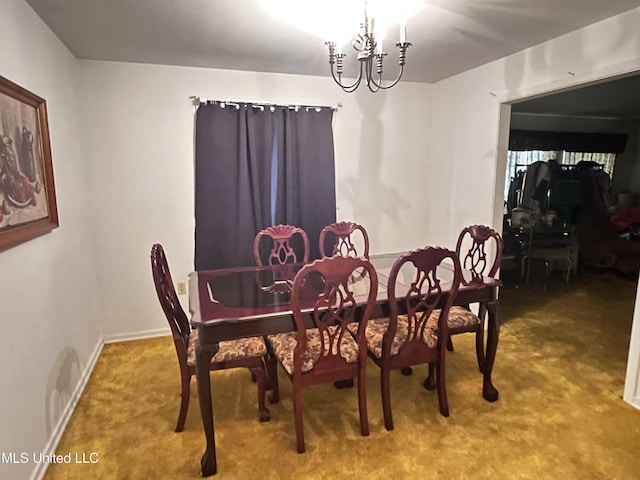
327 287
475 245
416 297
283 251
340 239
178 322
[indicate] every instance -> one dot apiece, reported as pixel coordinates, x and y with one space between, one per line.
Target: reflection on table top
235 294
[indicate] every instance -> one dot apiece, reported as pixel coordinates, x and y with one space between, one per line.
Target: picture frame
28 205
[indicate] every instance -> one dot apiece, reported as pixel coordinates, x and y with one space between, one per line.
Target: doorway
569 108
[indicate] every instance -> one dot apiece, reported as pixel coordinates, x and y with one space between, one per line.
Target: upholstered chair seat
377 327
229 350
283 345
460 317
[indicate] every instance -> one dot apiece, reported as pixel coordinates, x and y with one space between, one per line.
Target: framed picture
27 192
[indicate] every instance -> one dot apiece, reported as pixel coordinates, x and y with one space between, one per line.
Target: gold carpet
560 370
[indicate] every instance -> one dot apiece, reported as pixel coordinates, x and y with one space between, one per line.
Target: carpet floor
560 371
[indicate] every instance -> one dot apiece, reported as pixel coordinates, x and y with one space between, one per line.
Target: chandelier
370 55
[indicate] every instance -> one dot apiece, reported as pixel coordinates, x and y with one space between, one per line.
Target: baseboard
635 402
123 337
56 435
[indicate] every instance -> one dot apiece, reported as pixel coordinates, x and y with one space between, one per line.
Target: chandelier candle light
370 51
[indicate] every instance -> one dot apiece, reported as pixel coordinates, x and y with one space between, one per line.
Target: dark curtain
306 173
521 140
233 153
256 167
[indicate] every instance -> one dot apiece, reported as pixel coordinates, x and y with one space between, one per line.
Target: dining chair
246 352
416 331
565 257
282 244
474 248
342 238
331 300
555 249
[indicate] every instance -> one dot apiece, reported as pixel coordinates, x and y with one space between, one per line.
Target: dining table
232 303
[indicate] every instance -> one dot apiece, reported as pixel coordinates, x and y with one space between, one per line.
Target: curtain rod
261 105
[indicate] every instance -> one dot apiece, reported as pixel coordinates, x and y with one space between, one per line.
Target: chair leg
525 273
480 348
442 389
265 360
480 338
297 415
430 381
362 400
547 270
450 344
261 380
272 370
184 401
385 389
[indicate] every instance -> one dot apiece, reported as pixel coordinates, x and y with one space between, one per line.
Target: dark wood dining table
233 303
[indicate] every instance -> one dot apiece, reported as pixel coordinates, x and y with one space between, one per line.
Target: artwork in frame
27 192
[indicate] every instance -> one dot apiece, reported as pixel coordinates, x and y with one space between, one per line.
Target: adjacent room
142 136
571 192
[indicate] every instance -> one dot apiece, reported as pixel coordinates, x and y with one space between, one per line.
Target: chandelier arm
354 86
371 83
347 88
392 84
402 58
373 86
351 88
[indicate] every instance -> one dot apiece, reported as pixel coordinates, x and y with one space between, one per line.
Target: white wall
141 138
48 296
470 123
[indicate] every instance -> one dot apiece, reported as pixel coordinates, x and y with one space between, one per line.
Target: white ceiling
448 36
617 98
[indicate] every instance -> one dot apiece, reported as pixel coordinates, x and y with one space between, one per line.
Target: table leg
204 354
489 392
